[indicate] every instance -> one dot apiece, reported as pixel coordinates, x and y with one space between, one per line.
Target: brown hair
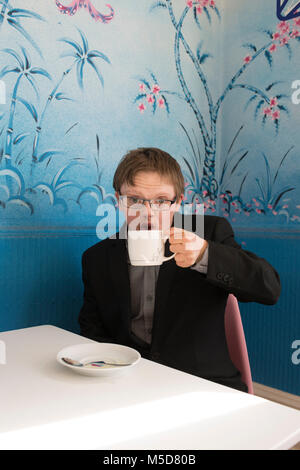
148 159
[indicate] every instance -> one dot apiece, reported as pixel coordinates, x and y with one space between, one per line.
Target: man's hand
189 248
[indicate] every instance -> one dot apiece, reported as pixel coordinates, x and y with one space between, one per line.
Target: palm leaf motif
56 185
82 56
24 71
13 17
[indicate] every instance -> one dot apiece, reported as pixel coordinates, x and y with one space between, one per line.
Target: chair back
236 341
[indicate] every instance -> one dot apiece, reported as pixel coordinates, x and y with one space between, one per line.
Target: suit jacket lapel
118 271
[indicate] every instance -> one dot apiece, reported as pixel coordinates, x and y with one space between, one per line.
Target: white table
44 405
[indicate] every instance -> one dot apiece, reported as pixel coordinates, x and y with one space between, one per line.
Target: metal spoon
72 362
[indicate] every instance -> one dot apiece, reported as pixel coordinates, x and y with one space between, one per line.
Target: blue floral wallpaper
205 80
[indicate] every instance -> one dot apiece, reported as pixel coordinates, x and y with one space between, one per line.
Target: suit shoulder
97 249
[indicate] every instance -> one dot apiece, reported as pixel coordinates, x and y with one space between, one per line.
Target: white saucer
108 352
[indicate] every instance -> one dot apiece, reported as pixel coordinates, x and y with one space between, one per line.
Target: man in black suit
173 313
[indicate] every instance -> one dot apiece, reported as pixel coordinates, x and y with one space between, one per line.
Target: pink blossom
186 184
247 214
237 211
297 21
204 193
189 3
212 3
274 212
150 99
285 29
295 33
267 111
273 102
142 107
270 206
283 26
204 3
285 206
258 211
276 115
272 48
284 41
199 10
142 87
155 89
161 103
247 59
276 35
233 203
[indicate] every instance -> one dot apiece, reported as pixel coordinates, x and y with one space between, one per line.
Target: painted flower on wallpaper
151 95
285 31
73 7
200 5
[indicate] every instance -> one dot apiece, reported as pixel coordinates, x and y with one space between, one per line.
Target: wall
206 82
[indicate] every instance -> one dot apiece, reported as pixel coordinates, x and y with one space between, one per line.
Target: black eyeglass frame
173 201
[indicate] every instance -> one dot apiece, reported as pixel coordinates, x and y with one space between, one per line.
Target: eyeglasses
155 204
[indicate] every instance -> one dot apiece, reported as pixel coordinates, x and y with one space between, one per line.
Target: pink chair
236 341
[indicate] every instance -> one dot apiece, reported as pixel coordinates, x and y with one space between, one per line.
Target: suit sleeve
90 317
240 272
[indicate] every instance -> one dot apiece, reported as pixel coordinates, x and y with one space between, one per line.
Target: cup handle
165 258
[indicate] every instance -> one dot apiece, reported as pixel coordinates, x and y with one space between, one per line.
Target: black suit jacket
188 326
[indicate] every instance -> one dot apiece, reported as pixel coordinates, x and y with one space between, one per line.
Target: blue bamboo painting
32 169
202 185
16 190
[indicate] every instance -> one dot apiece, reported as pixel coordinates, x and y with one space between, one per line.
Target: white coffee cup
147 247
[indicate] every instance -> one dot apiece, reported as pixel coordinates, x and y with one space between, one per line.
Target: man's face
149 185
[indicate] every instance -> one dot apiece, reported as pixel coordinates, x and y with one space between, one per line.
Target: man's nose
148 208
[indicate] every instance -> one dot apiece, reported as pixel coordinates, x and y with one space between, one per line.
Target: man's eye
134 200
